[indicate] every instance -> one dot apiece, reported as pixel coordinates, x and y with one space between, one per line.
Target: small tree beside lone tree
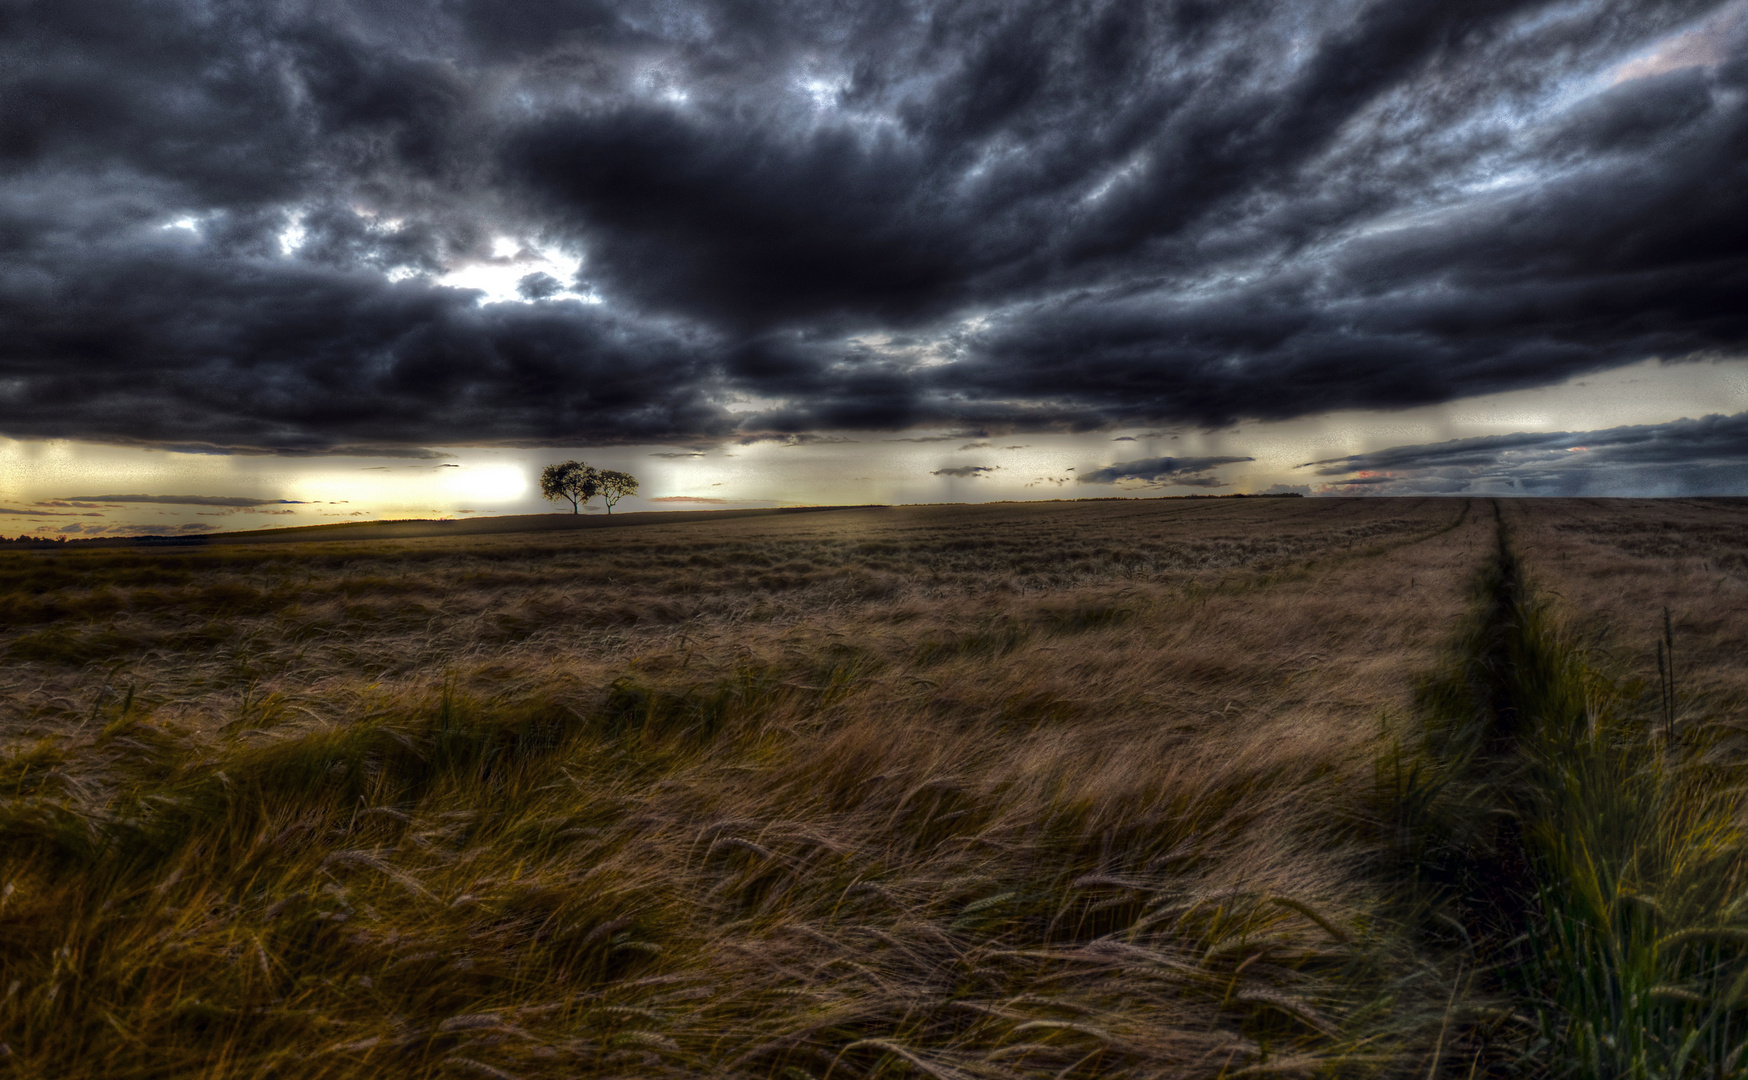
579 483
571 480
613 486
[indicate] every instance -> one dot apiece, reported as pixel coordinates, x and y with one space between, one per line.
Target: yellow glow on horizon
486 483
40 478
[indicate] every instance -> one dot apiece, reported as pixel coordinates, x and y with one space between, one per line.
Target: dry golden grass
987 791
1621 563
318 624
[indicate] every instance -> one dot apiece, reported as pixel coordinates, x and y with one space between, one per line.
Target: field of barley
1126 788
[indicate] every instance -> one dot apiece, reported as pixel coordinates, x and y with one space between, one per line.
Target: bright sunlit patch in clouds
823 91
499 276
293 235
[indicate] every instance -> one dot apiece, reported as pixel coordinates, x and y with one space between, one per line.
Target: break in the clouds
331 227
1708 456
1164 471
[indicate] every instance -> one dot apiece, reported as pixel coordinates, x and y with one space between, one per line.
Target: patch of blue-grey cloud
1164 472
1707 456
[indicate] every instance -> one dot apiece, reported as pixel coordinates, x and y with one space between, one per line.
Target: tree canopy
613 486
571 480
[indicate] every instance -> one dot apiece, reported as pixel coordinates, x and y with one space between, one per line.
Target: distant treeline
23 541
1242 495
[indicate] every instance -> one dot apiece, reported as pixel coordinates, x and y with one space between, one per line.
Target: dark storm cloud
183 352
966 472
221 227
803 439
1708 456
1164 471
950 436
539 286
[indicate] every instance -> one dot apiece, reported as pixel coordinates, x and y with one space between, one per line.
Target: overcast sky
373 258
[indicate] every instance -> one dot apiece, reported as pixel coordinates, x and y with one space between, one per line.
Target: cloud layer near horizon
227 226
1164 471
1708 456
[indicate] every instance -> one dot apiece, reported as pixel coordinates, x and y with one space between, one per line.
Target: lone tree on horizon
613 486
571 480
